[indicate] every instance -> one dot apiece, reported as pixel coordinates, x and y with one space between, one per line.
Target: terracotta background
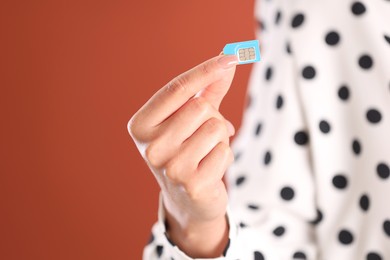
72 184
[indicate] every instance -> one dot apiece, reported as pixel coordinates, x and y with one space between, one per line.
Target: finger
217 162
171 135
215 75
212 132
195 148
217 91
184 122
182 125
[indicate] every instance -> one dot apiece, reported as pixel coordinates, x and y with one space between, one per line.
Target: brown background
72 183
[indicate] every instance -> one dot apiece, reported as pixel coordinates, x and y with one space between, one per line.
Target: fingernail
230 128
227 61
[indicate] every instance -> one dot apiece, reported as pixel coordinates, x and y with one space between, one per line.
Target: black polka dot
324 126
301 138
373 116
253 206
332 38
287 193
278 17
279 102
365 62
345 237
340 181
318 219
343 93
268 73
358 8
159 250
261 25
279 231
383 170
243 225
373 256
308 72
240 180
387 38
356 147
258 255
364 202
297 20
237 156
288 48
258 129
386 227
299 255
267 158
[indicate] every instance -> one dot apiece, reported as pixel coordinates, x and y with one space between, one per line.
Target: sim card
246 52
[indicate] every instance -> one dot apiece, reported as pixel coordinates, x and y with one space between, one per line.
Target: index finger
178 91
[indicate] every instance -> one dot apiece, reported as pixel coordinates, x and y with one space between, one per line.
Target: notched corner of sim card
246 52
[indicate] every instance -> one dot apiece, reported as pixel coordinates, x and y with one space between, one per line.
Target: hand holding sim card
184 139
246 52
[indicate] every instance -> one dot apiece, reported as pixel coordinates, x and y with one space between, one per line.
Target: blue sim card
246 52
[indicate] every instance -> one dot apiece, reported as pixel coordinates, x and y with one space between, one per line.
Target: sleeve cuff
175 251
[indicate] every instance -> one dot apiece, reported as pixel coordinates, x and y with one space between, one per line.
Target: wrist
199 239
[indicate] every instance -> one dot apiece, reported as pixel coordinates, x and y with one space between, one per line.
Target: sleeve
160 247
272 209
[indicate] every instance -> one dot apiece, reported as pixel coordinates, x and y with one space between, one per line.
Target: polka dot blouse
311 177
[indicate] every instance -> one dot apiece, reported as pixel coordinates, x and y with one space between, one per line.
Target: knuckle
137 129
200 105
132 127
152 155
179 172
173 171
193 190
206 68
177 85
216 126
226 152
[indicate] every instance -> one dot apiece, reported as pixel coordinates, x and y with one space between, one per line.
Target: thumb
216 91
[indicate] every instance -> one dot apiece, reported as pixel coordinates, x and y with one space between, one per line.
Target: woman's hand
185 142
